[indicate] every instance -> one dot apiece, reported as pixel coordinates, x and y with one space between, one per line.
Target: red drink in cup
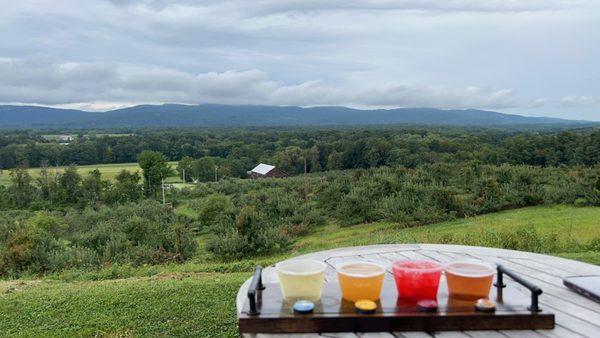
417 279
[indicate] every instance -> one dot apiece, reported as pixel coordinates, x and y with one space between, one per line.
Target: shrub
27 249
146 233
213 206
250 233
594 244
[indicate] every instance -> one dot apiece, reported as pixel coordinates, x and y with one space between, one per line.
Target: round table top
575 315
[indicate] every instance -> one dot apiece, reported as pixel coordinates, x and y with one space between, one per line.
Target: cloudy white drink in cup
301 279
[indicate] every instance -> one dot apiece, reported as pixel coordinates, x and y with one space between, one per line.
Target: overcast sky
534 57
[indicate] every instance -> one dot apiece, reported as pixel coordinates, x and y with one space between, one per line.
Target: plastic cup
417 279
361 280
301 279
469 279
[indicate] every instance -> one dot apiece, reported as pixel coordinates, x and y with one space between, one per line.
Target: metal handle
255 286
535 291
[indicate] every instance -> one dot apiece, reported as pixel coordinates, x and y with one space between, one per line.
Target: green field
56 137
109 171
197 298
570 225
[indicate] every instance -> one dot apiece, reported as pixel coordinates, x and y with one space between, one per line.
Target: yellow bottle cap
365 306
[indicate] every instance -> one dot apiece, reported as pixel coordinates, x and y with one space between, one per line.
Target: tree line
53 189
235 151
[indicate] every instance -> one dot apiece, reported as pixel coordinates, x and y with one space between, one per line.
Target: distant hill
175 115
27 116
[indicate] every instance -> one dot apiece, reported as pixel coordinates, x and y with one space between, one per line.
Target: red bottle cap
427 305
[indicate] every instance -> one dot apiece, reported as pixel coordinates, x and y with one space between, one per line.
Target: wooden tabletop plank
522 334
541 266
288 335
560 332
376 335
573 323
485 334
436 256
412 335
338 335
365 250
451 334
477 250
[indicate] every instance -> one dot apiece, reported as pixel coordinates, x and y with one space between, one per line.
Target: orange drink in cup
469 279
361 280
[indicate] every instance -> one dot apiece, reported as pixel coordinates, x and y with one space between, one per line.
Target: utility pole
162 182
305 183
184 176
216 177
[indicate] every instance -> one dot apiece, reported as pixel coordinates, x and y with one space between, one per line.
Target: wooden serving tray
333 314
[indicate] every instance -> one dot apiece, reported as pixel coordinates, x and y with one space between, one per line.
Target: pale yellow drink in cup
301 279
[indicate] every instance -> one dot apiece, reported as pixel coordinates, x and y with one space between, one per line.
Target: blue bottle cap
304 306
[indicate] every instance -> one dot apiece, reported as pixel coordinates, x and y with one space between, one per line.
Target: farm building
265 170
65 138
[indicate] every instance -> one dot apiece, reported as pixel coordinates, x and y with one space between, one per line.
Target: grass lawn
568 223
109 171
197 298
198 305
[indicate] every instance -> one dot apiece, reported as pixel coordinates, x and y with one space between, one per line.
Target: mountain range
215 115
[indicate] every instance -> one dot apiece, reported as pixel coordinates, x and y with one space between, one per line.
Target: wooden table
575 315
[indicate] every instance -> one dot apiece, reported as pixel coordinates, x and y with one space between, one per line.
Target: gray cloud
43 81
265 7
580 101
537 57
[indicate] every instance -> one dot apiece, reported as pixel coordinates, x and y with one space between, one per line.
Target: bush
212 207
146 233
250 233
581 202
594 244
28 249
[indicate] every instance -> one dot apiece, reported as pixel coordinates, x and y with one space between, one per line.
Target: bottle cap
427 305
304 306
485 305
365 306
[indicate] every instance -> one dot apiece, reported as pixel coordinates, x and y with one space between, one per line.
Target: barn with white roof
265 170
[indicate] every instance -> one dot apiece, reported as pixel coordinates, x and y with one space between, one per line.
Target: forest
237 150
63 220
